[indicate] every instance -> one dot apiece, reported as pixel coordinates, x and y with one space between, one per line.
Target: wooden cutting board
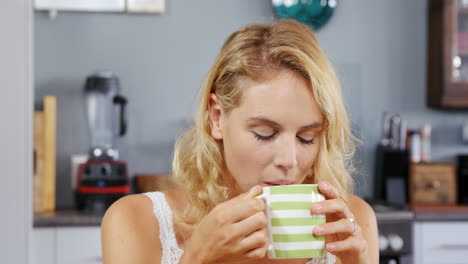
44 156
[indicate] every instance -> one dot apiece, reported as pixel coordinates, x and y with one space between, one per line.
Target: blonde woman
270 113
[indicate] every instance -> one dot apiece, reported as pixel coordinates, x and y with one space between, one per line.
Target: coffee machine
103 178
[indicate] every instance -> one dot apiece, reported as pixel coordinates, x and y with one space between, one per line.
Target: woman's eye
264 138
310 141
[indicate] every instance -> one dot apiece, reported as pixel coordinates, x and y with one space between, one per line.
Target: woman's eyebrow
276 124
260 119
313 125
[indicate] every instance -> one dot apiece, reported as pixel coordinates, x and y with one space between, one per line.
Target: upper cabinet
447 64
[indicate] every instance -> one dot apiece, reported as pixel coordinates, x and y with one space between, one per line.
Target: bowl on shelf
154 182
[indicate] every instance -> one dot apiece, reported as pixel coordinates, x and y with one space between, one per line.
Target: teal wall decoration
314 13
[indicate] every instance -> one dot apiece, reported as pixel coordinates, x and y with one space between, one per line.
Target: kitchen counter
394 216
69 217
440 213
437 216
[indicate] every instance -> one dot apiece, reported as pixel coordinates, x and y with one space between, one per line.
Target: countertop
67 217
436 213
70 217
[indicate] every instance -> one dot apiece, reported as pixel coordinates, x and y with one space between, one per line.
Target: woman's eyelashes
308 142
264 138
272 136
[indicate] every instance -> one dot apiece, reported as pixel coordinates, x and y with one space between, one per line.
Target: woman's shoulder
129 226
359 207
367 222
131 211
363 213
139 207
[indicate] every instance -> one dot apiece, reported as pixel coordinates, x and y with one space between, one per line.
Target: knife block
44 156
392 169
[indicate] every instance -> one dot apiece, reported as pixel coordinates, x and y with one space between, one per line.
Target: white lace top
171 252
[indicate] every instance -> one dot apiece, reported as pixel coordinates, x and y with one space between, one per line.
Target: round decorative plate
314 13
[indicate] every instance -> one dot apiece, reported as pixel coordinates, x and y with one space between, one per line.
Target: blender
103 178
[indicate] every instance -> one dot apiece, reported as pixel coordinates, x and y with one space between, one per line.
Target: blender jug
105 114
103 179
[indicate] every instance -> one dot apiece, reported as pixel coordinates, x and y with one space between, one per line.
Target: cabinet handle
454 246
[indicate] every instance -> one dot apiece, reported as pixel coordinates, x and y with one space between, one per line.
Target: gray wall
16 133
378 48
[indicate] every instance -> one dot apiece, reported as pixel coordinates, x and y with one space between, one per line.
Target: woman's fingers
251 224
334 206
256 244
341 226
257 253
242 206
352 243
328 190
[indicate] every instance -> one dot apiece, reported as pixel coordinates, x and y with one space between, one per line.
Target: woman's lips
279 182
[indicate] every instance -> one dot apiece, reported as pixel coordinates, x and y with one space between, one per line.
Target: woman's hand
233 231
343 235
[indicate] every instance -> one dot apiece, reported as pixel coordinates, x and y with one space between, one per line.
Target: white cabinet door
441 242
79 245
43 246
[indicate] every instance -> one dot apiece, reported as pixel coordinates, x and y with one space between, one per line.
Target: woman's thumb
256 190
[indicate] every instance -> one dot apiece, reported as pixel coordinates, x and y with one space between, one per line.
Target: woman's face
273 136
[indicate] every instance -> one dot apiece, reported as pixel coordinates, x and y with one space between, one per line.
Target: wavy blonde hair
255 51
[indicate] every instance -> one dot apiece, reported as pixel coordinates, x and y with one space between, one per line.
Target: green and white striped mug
290 222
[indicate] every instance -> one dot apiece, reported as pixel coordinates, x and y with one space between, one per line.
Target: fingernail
331 246
324 185
317 208
319 230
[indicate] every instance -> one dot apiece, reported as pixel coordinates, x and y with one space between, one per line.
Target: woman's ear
216 117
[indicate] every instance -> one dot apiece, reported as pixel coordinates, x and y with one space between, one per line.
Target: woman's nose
286 156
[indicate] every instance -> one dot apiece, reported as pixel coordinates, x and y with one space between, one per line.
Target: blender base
96 202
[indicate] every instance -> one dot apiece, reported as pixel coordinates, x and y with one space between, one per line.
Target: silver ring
354 224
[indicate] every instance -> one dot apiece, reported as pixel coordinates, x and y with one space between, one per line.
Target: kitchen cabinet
43 246
447 63
440 242
66 245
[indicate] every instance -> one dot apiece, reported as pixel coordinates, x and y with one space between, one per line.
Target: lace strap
163 213
328 258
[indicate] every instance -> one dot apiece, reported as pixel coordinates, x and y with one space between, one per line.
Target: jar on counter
415 146
426 143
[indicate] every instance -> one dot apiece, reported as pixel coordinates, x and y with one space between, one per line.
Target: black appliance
462 179
392 169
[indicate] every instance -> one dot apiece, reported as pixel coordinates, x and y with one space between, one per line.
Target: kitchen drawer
443 242
79 245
